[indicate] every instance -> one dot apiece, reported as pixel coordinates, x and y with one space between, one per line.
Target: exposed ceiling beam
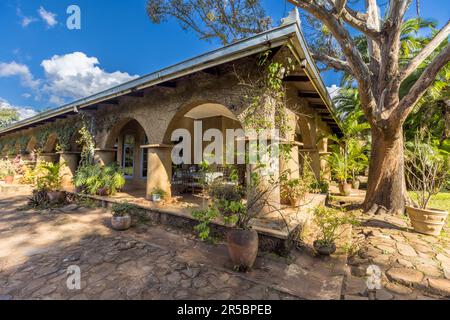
168 84
304 94
296 78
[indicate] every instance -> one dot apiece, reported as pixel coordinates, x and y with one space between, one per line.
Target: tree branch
353 57
356 20
425 53
422 84
333 62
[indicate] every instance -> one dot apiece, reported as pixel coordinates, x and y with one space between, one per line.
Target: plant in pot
51 181
94 179
230 208
329 222
357 160
294 190
427 169
122 216
339 168
158 195
7 171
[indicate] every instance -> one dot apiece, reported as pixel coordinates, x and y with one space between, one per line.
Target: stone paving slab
414 266
149 262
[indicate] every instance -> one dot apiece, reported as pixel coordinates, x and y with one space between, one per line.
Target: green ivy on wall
64 133
23 143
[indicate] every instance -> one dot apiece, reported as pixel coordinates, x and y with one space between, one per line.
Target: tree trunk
386 191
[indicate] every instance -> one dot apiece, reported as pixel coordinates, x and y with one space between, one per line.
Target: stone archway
123 145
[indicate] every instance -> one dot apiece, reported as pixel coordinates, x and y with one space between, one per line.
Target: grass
439 201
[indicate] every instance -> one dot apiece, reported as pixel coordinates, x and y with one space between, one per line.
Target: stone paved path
148 262
414 266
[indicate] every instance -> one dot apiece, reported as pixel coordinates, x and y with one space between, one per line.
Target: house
133 123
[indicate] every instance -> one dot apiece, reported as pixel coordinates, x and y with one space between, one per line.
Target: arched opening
126 138
202 123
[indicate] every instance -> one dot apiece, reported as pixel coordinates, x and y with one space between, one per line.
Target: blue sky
43 64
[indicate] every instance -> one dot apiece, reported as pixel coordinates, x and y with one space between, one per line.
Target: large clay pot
324 250
121 223
345 188
356 184
9 179
243 248
295 202
427 221
56 196
102 192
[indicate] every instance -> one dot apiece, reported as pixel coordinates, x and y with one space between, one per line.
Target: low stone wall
279 242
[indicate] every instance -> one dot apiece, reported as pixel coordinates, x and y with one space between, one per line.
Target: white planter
429 221
156 197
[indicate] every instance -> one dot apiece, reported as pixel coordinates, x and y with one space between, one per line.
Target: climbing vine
23 143
64 133
266 96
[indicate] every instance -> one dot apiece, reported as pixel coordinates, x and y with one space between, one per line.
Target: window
144 161
128 155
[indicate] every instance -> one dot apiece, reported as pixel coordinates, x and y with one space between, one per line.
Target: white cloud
16 69
76 75
24 112
333 91
48 17
25 20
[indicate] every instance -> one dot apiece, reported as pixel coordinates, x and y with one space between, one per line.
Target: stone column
69 162
269 179
323 153
290 164
104 157
159 174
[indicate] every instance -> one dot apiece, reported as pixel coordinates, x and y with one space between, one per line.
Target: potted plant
242 240
294 190
51 181
338 164
7 171
357 160
121 216
329 222
99 180
158 195
427 169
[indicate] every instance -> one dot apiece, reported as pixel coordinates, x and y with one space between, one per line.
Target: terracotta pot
243 248
427 221
9 179
345 188
294 202
102 192
121 223
356 184
56 196
324 250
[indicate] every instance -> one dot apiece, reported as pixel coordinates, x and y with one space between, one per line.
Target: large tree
379 81
379 73
7 116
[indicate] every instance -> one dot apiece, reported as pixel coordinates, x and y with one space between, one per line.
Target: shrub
39 199
122 209
329 220
93 178
427 168
7 168
51 178
320 187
